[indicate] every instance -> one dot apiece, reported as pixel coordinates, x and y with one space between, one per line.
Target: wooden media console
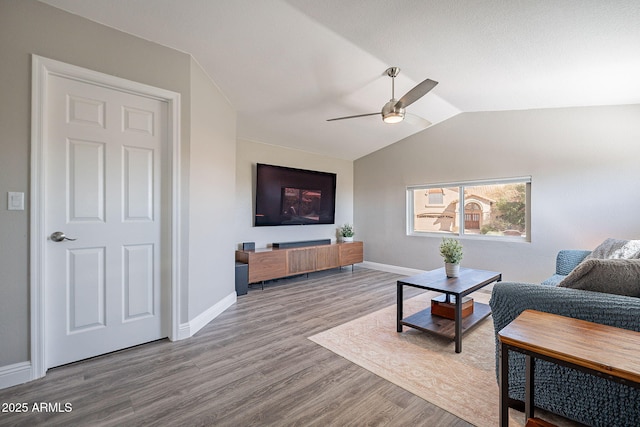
274 263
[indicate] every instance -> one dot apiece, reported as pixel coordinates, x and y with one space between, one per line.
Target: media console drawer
273 263
264 265
351 253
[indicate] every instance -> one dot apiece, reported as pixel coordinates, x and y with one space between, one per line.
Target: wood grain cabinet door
267 265
327 257
301 260
351 253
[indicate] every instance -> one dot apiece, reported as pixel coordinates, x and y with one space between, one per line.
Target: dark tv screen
288 196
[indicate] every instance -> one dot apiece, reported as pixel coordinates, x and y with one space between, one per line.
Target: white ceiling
288 65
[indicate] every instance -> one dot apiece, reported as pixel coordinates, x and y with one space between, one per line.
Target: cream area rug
426 365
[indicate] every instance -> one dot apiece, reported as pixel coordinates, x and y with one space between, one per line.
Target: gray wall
212 193
248 154
29 27
585 176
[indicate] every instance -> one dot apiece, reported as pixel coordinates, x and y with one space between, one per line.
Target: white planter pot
452 270
347 239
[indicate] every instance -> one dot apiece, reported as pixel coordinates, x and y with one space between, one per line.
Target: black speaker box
248 246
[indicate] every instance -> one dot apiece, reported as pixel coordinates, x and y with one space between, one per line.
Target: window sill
487 237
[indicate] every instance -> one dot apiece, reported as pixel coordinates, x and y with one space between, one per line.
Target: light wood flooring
251 366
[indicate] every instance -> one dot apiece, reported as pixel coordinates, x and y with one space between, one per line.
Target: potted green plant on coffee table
451 251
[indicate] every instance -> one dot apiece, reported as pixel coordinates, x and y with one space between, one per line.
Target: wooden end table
468 281
561 340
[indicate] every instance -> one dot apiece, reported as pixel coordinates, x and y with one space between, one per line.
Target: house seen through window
498 208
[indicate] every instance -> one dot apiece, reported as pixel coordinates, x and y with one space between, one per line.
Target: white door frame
42 68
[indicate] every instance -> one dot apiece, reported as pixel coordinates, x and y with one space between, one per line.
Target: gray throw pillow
612 276
616 249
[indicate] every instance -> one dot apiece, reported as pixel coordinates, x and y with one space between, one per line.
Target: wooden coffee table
470 280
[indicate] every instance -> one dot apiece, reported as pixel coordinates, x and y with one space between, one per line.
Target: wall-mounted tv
288 196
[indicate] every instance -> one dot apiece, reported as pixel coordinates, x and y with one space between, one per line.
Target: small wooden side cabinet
274 263
601 350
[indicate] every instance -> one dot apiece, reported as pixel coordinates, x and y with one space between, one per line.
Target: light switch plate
15 201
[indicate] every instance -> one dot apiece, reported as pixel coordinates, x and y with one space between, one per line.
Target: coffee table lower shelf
425 321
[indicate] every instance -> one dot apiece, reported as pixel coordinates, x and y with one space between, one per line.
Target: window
436 196
497 208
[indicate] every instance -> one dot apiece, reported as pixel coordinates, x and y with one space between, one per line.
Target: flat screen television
288 196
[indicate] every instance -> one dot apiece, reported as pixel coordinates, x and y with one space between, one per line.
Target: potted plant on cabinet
346 233
451 251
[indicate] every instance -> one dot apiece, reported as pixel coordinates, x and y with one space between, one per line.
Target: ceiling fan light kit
394 110
391 113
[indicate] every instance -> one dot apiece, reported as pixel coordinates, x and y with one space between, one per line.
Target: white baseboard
391 268
188 329
15 374
183 331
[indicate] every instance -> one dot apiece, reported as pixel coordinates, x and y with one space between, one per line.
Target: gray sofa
566 261
575 395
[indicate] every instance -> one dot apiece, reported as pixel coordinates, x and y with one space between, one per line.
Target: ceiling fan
394 110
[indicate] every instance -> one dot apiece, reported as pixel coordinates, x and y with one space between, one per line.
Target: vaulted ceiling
288 65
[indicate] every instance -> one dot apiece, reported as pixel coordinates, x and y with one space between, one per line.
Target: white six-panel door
104 157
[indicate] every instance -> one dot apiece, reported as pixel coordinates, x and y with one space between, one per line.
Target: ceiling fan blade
353 117
416 93
414 120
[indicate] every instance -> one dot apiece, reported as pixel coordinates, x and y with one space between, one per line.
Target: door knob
59 236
